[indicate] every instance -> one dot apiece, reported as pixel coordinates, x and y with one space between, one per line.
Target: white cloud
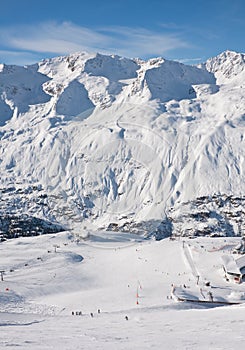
66 37
191 60
142 42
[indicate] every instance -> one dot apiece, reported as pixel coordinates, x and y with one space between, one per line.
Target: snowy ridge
227 66
116 140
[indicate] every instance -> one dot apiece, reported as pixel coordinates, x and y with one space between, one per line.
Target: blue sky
188 31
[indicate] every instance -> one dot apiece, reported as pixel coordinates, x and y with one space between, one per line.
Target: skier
210 295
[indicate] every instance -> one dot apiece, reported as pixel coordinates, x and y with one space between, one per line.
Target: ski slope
54 276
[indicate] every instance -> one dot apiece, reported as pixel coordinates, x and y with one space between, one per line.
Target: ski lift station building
234 268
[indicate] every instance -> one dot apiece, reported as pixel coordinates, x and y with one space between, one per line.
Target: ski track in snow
115 272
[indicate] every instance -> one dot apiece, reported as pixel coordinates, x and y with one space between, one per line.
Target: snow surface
112 139
111 272
90 141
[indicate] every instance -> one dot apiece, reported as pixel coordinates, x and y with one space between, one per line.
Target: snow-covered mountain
95 140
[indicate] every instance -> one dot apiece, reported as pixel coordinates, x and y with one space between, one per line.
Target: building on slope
234 268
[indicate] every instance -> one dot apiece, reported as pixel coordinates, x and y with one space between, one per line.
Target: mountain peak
227 65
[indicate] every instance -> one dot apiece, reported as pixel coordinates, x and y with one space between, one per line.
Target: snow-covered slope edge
110 140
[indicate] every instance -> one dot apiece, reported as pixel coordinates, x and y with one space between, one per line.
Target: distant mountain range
105 141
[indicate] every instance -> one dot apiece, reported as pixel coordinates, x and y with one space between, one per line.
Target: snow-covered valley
52 284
